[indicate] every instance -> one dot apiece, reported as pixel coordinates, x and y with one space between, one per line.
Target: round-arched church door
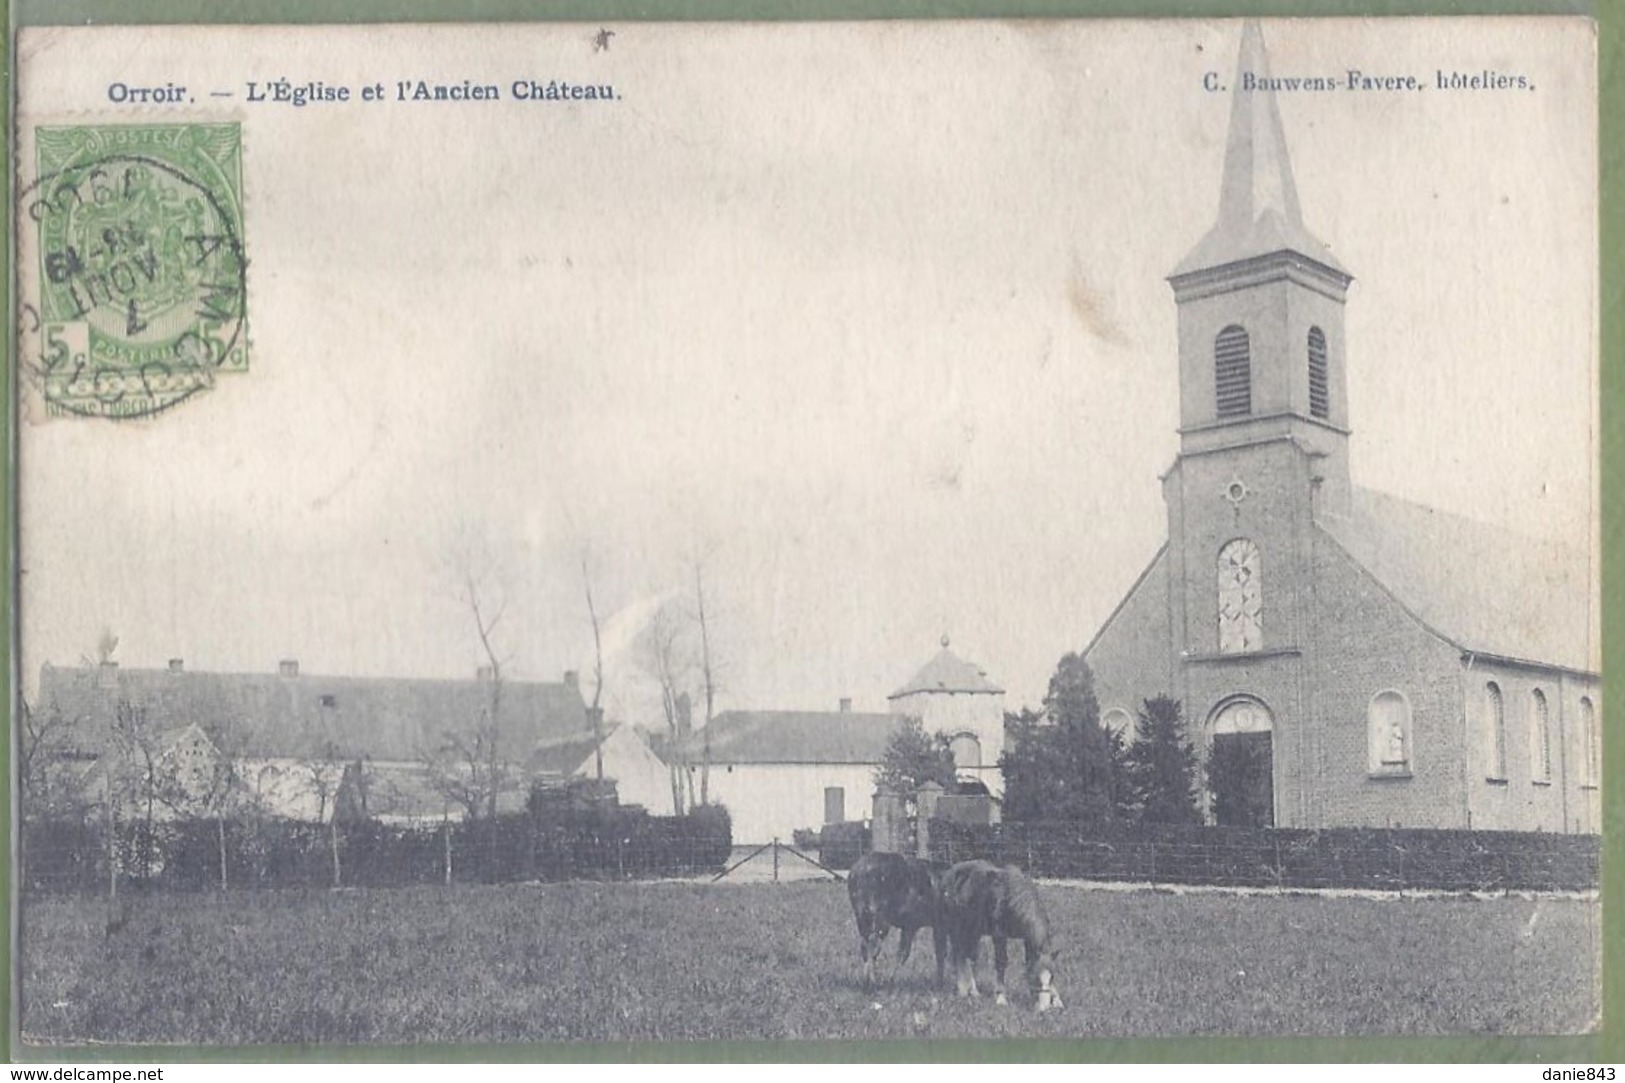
1241 765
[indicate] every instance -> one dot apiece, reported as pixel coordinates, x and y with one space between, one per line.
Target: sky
869 321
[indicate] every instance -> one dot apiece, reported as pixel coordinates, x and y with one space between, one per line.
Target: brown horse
888 890
980 899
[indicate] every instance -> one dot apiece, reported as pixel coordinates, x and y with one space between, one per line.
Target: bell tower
1263 436
1261 305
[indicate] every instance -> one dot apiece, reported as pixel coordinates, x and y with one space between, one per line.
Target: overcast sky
871 317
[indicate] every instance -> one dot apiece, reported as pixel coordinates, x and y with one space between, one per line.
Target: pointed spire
1258 199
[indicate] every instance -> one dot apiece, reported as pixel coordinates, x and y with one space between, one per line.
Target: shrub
840 845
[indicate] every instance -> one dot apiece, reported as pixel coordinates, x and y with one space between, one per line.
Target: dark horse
980 899
893 889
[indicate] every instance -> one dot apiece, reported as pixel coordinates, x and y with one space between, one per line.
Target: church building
1343 657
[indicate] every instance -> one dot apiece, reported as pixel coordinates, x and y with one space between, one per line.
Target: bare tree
595 713
135 771
468 767
665 659
708 682
50 787
486 619
46 788
323 762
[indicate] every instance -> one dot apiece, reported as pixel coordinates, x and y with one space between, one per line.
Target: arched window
1540 737
1120 722
1588 742
1241 598
967 750
1233 372
1320 401
1388 728
1495 732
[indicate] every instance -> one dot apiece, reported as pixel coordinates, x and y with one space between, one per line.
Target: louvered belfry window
1320 402
1233 372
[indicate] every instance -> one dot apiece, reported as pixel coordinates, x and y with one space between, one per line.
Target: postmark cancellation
135 299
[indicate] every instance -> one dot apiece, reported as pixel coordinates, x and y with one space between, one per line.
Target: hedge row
1375 858
185 855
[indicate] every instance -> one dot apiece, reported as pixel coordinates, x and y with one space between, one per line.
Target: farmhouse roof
947 672
796 737
1258 198
267 716
1487 590
564 755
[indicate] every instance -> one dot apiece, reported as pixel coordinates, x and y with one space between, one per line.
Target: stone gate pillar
925 804
887 825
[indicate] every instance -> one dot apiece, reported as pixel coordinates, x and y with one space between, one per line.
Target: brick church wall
1365 642
1130 655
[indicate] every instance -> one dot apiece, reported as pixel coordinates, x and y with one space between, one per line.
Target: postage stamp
141 295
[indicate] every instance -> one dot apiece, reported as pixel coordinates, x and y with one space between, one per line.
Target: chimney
846 704
288 667
107 674
485 674
177 665
572 680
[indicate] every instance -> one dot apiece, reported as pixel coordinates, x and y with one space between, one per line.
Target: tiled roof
1487 590
797 737
267 716
563 755
947 672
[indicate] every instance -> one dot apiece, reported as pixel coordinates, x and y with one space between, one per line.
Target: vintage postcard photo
893 530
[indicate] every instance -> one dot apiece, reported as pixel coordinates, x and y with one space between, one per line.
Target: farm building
777 771
1356 659
290 737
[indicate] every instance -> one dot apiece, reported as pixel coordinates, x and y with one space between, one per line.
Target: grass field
772 961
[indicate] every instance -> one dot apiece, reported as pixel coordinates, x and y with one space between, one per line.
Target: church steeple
1258 198
1261 302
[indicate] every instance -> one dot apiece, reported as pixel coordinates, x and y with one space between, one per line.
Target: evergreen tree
1162 766
1062 764
913 758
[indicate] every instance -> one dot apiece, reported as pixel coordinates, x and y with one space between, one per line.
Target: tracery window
1241 601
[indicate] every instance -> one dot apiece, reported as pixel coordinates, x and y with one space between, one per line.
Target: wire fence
86 856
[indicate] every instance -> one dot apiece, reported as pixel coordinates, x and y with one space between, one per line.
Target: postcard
905 530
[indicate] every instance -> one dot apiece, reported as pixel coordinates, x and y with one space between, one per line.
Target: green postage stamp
141 290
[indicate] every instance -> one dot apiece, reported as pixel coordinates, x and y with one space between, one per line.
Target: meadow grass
663 961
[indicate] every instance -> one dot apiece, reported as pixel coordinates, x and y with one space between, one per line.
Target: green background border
1608 1046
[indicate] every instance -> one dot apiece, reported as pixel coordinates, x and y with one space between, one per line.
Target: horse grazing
980 899
888 890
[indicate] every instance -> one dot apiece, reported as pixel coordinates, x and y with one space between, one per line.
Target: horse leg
1001 959
868 947
966 952
905 944
939 941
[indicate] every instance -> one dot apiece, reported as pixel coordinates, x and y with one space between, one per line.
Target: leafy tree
1063 764
913 758
1162 766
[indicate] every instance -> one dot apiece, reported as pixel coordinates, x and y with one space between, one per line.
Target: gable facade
1370 662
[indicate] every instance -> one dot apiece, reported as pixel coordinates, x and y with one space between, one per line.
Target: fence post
445 831
775 860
